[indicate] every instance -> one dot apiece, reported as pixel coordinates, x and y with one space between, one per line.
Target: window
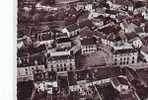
51 66
26 71
65 69
133 61
127 58
115 60
58 69
115 63
120 59
70 68
124 59
61 65
32 68
120 63
52 69
133 58
124 62
127 62
64 64
61 69
70 64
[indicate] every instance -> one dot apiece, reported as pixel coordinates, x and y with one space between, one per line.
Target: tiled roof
72 27
88 41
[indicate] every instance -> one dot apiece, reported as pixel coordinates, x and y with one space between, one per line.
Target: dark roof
38 49
61 40
22 52
30 60
113 37
110 29
88 41
122 81
84 23
122 51
72 27
112 11
87 32
54 58
131 35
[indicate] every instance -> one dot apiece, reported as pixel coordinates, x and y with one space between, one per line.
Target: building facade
124 55
88 45
61 62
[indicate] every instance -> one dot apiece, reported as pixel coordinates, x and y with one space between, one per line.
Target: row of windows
61 69
68 60
124 62
90 46
125 54
61 65
86 51
125 58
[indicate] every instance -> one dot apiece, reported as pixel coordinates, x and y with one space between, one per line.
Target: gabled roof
84 23
88 41
72 27
131 35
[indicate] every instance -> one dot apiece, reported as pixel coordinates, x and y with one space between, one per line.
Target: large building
124 54
61 61
88 45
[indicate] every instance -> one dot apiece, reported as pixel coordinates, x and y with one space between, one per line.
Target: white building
84 6
134 39
71 30
88 45
61 61
121 85
124 54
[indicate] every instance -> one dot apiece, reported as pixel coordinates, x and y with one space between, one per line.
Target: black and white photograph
82 50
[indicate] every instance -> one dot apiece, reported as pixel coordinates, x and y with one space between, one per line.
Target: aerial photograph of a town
82 50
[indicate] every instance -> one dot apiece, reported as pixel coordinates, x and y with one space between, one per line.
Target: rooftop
88 41
61 40
72 27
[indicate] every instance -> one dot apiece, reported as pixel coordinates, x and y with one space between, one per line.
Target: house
63 42
27 65
49 83
86 23
61 61
134 39
124 54
120 84
112 13
112 39
71 30
88 45
128 28
112 34
84 6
